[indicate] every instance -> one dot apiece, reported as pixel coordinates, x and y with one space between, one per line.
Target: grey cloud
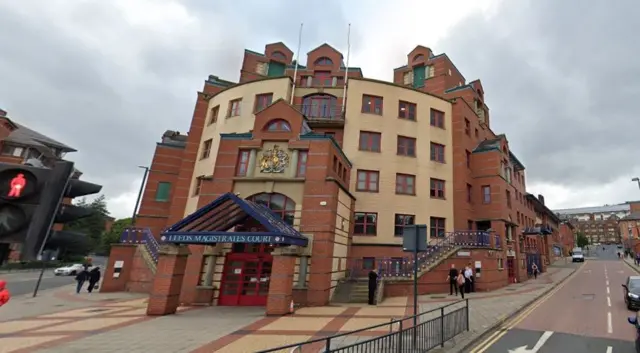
562 82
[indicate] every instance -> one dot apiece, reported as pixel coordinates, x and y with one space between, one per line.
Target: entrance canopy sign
230 238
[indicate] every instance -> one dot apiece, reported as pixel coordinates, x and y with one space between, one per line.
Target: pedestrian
638 258
535 270
80 279
94 278
461 282
4 293
468 278
373 284
452 278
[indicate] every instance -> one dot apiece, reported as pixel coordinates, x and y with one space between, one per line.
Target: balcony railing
539 229
327 112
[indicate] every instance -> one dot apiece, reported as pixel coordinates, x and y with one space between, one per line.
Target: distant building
599 224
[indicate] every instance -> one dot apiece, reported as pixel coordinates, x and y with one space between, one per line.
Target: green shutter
418 76
163 190
276 69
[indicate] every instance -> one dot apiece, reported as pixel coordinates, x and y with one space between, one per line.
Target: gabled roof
25 136
328 46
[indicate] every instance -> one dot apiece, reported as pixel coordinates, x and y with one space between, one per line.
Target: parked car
70 270
577 255
632 292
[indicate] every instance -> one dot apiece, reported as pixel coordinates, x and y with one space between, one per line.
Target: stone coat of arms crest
274 160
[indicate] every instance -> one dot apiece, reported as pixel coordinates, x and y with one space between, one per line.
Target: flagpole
295 69
346 70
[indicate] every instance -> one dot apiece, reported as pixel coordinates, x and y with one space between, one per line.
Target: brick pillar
281 284
167 283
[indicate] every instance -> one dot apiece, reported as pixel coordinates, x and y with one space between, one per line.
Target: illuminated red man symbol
17 185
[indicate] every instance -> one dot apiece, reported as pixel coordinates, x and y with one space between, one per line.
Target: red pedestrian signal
17 185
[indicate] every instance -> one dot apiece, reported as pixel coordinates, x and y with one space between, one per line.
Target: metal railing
322 112
433 329
403 266
136 235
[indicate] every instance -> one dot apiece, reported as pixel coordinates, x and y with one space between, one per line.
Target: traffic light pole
51 200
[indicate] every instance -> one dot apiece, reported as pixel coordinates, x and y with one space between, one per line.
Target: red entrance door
511 270
246 276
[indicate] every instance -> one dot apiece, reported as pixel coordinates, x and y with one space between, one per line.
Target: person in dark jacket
81 277
373 284
453 278
94 278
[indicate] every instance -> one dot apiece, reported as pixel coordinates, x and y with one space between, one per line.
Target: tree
113 236
581 240
93 226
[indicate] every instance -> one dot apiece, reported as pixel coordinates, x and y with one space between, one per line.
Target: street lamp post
144 180
637 180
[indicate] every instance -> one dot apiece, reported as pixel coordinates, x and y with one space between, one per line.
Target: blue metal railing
135 235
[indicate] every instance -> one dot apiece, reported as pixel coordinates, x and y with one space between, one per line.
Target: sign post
414 239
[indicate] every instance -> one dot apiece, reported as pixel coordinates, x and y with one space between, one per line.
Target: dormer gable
418 56
279 121
278 52
324 57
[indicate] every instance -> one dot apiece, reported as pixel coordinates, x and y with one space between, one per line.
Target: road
20 283
585 314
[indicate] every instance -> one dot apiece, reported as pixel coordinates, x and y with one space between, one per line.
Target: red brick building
343 171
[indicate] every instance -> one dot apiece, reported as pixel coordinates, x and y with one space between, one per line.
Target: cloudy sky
108 77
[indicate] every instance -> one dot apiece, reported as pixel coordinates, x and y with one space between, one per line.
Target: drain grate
588 296
511 289
437 297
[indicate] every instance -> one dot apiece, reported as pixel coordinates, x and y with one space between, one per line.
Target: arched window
278 125
324 61
418 57
278 55
320 106
278 203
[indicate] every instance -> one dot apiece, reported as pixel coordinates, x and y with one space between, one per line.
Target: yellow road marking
489 341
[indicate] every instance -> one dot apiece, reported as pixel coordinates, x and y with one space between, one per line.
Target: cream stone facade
386 202
279 87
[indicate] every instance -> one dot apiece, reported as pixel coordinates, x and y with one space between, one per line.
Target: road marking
541 341
609 349
607 282
493 338
608 291
608 300
609 325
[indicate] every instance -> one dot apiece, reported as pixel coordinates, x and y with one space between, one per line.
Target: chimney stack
541 199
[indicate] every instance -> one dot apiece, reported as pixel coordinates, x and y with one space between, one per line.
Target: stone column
167 283
281 283
293 170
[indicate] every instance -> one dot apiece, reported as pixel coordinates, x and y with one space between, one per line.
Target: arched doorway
247 268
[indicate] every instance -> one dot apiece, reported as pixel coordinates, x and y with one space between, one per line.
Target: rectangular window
486 194
234 107
437 188
323 79
243 163
437 227
12 151
437 152
369 141
437 118
401 221
406 146
405 184
302 163
368 180
508 198
206 149
467 127
468 155
407 110
368 263
469 193
262 101
365 223
197 186
163 191
371 104
214 114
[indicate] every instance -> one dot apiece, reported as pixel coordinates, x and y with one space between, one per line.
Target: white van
577 255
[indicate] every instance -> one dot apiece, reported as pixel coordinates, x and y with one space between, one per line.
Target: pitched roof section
26 136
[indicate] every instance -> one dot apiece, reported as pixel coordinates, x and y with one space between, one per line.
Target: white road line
607 282
608 292
609 325
609 349
608 300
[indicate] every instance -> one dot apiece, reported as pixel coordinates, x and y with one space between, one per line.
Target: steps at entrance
352 291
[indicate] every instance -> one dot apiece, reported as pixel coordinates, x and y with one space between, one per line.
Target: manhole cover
96 310
588 296
511 289
59 305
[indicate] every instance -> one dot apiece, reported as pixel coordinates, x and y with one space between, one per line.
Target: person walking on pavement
461 283
468 278
4 293
452 278
94 278
373 284
535 270
81 277
637 258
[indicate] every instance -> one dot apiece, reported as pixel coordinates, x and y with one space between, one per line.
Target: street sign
414 238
